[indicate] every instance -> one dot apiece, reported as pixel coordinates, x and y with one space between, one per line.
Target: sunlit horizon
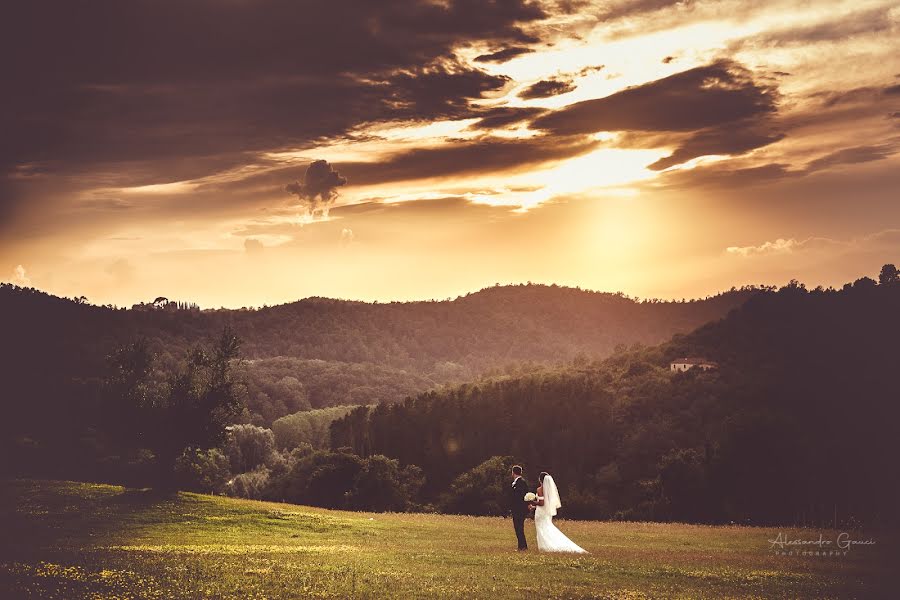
664 150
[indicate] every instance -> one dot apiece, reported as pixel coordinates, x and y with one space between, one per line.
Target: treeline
54 349
249 465
800 423
284 385
312 427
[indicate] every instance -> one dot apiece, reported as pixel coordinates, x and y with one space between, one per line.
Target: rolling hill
799 424
319 352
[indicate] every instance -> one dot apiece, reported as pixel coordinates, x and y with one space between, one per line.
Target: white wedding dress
549 538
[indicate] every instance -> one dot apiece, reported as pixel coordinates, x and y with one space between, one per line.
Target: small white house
683 364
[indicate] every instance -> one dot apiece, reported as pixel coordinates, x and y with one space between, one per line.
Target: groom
518 506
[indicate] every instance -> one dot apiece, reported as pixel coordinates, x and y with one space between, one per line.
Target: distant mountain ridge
490 327
372 352
795 423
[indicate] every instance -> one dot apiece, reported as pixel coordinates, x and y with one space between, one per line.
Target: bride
549 538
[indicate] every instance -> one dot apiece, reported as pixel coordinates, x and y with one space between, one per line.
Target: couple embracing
544 503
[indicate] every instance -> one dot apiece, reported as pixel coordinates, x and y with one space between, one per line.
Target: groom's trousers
519 525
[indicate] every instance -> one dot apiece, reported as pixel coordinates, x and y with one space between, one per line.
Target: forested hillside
800 422
317 352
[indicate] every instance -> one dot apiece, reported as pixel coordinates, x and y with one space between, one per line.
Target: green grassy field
74 540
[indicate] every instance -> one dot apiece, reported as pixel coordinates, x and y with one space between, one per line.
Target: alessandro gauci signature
843 541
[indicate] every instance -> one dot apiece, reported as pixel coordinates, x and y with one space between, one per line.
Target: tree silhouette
889 274
190 410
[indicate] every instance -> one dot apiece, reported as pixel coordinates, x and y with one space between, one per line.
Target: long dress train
549 538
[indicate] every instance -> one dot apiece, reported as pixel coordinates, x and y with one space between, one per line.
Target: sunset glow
633 146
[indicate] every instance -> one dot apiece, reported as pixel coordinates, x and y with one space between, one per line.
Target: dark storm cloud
847 109
718 109
504 116
832 98
319 185
462 158
443 90
733 139
144 80
485 155
730 174
110 93
727 176
503 55
703 97
852 156
547 88
112 42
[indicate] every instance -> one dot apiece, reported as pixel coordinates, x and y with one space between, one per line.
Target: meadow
70 540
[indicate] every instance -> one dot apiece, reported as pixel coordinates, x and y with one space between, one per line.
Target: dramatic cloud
866 22
721 103
461 124
730 175
78 84
504 116
319 186
726 175
442 90
851 156
862 172
709 96
547 88
503 55
485 155
734 139
630 8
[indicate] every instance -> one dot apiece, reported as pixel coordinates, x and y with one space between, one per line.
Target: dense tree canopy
307 427
798 424
192 409
318 352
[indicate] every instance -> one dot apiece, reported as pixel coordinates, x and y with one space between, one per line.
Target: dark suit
519 509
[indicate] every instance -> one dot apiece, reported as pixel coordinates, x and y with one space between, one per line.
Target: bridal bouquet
530 497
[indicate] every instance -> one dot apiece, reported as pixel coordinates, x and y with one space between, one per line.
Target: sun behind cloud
458 136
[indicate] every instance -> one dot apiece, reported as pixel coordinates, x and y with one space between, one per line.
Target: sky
254 152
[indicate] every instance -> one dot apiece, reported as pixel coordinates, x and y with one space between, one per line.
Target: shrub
481 490
251 485
378 486
310 427
249 447
203 471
